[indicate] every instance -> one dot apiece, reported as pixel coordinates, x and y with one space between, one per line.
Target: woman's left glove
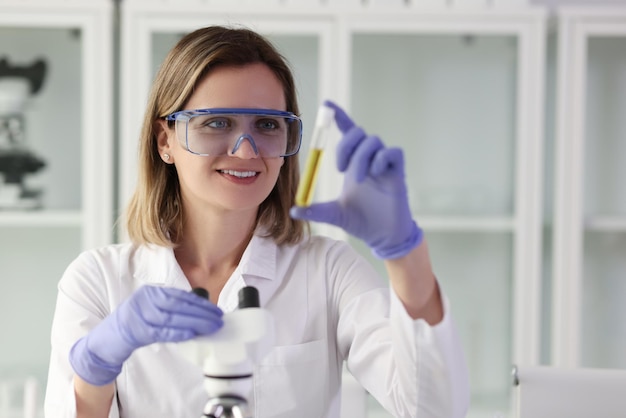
373 204
151 314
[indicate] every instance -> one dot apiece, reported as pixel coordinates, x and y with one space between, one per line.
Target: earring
166 157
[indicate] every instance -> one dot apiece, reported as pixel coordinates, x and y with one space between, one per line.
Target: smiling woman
231 142
213 209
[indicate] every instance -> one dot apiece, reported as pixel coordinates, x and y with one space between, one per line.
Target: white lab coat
329 305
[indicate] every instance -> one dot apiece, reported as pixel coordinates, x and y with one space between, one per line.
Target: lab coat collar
259 258
158 265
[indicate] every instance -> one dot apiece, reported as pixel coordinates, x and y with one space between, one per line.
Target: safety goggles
222 131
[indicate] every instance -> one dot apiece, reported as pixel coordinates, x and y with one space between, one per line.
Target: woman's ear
163 136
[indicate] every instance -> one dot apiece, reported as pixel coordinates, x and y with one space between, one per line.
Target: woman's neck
211 248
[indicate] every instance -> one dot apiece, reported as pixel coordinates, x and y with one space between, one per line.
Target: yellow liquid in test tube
304 196
306 188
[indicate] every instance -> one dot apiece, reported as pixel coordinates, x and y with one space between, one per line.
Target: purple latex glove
151 314
373 204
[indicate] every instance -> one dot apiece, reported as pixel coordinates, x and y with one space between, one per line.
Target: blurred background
510 112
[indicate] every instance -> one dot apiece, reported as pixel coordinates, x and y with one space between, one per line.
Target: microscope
228 357
17 84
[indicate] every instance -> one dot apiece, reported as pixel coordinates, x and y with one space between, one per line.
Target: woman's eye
268 124
218 123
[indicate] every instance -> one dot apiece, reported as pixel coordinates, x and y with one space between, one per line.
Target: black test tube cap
200 291
249 297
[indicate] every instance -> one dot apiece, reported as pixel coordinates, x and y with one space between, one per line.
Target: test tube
321 131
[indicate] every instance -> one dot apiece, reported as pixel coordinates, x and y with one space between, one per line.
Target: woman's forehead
249 86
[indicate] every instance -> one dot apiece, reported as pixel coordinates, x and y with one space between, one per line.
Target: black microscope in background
17 85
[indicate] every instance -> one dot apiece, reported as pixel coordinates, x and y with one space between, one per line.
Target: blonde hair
154 214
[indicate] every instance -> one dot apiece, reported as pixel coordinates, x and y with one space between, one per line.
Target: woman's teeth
240 174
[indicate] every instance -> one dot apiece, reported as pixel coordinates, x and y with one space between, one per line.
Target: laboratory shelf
36 219
466 223
606 223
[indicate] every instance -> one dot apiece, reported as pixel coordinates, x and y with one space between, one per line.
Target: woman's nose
245 147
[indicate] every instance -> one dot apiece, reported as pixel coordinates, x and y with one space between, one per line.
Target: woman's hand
151 314
373 205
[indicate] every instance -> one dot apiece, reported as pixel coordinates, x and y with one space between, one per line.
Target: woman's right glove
151 314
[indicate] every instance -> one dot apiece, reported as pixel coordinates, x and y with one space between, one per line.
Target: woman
212 209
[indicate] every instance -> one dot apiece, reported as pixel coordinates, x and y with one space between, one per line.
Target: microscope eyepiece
200 291
249 297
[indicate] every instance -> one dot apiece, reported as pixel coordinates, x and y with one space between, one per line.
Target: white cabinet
67 123
589 269
461 92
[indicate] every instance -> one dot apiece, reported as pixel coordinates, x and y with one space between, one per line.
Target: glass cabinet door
453 97
55 170
590 209
604 260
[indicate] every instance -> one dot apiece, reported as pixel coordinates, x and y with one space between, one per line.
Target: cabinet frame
94 19
575 27
140 21
529 28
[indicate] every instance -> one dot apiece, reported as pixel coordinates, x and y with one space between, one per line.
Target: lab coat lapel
157 265
257 268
